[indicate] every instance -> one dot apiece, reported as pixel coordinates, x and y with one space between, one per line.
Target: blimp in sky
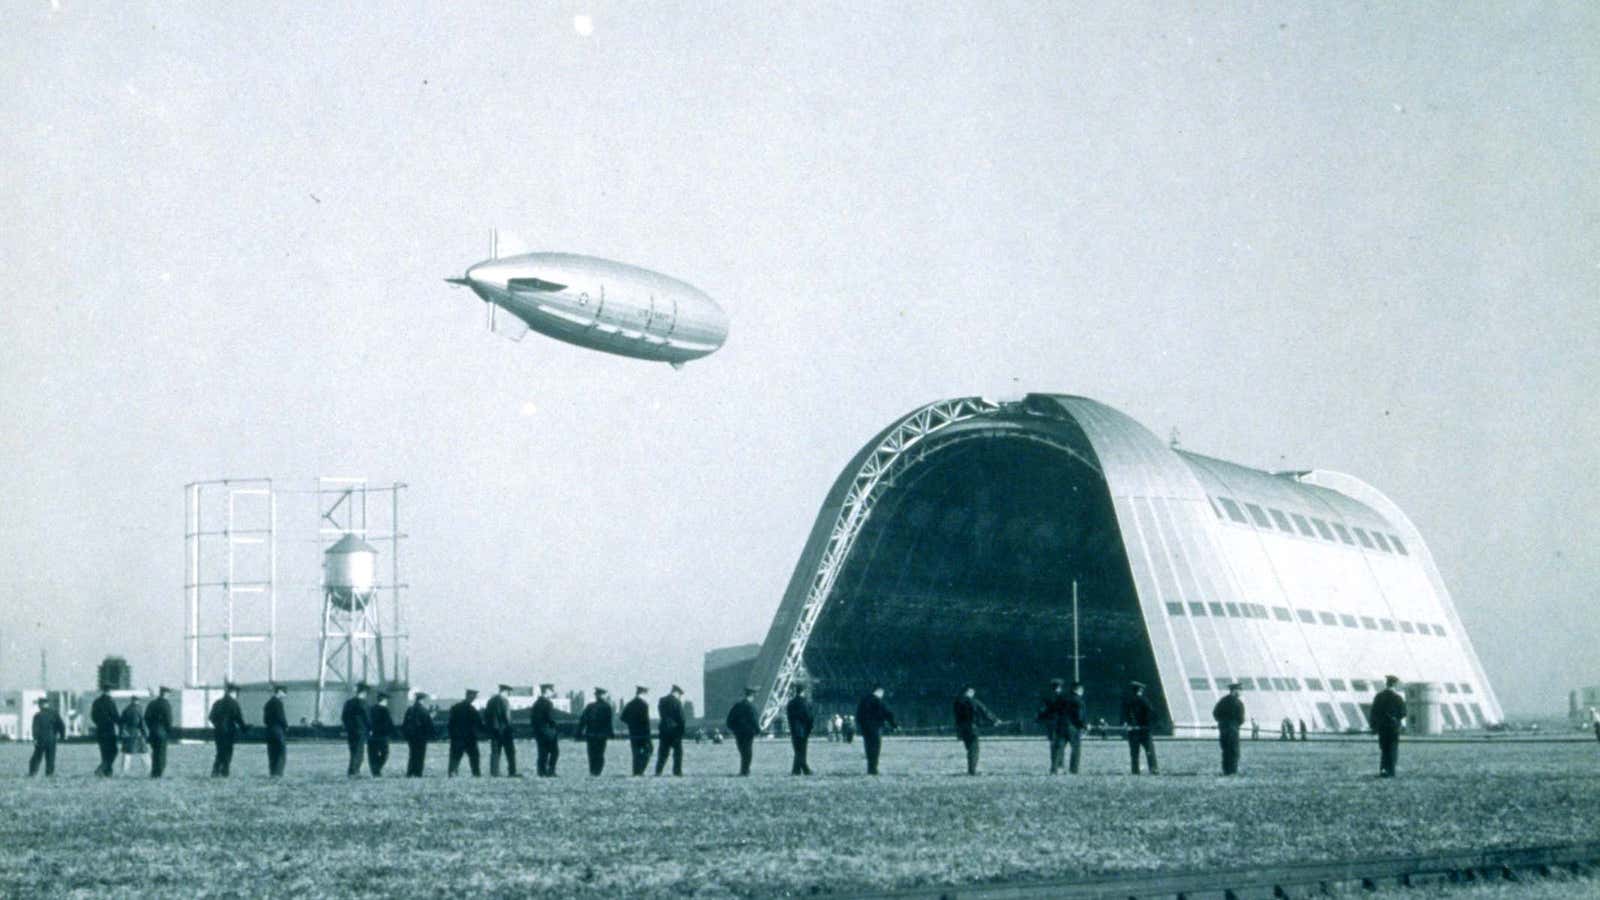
598 304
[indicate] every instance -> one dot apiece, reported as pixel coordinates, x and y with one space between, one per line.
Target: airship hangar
1001 544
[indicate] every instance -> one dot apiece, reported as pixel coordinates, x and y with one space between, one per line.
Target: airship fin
505 324
676 365
506 243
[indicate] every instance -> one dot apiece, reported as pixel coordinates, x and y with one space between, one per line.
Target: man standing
276 722
227 726
1388 715
158 722
497 716
544 732
1077 724
103 713
672 727
1053 713
1229 713
463 730
969 714
1137 716
357 728
744 725
872 716
636 715
382 732
47 730
595 728
418 729
801 722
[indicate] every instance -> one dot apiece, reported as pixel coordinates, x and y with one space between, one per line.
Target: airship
597 304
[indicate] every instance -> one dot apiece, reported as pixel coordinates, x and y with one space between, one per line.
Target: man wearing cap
103 713
672 727
969 713
595 728
497 717
744 725
802 720
1138 716
158 722
545 734
1229 713
357 719
1077 724
227 726
418 729
48 729
1388 715
463 729
276 722
636 715
1053 714
872 717
383 732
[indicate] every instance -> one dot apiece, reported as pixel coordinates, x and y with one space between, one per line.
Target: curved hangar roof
950 549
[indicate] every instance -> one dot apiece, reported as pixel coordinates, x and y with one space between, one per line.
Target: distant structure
1579 702
1003 544
114 674
727 672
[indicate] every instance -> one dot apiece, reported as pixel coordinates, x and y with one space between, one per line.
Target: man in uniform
801 722
672 727
595 728
382 732
744 725
1229 713
158 722
545 734
276 722
872 716
47 730
497 716
227 726
357 719
1053 713
103 713
418 729
1138 716
1388 715
636 715
1077 724
463 730
969 714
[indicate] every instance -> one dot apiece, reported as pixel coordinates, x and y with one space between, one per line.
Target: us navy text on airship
598 304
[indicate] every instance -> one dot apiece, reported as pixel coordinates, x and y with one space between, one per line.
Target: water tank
350 572
1422 708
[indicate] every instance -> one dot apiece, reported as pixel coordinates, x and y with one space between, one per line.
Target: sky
1364 239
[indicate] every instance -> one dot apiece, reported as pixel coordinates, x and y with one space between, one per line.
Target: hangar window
1358 684
1216 608
1327 618
1398 546
1214 507
1369 623
1313 684
1461 711
1306 616
1196 608
1352 714
1336 684
1477 715
1281 613
1259 515
1258 610
1222 683
1439 630
1407 627
1362 537
1233 610
1348 620
1366 714
1449 717
1422 628
1387 624
1449 687
1344 534
1281 520
1234 512
1264 683
1280 684
1382 543
1174 609
1301 523
1466 688
1322 529
1247 684
1199 684
1329 720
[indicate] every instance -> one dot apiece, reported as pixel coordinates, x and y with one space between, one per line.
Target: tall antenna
1076 656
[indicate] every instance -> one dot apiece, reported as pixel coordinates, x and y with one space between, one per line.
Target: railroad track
1288 881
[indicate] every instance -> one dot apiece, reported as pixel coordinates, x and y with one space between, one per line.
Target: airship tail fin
676 364
507 243
505 324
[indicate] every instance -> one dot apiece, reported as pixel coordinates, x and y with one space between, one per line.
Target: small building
1579 703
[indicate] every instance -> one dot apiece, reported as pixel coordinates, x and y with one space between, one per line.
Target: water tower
353 627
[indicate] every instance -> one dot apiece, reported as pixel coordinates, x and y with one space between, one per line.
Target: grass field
710 834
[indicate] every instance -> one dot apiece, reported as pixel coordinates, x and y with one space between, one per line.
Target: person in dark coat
463 728
802 721
969 713
275 720
158 724
545 735
48 730
418 729
383 731
1053 715
595 728
131 732
872 717
1077 725
1229 714
671 729
636 715
1138 716
104 714
227 726
357 719
1388 716
497 718
744 725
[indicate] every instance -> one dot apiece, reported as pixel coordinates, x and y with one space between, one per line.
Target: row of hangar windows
1307 526
1284 614
1266 683
1358 716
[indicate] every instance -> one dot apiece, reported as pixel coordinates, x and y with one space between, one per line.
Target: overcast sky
1362 239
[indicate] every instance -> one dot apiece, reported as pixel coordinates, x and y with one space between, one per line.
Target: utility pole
44 668
1076 656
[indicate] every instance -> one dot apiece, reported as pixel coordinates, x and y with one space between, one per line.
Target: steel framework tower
362 635
230 584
